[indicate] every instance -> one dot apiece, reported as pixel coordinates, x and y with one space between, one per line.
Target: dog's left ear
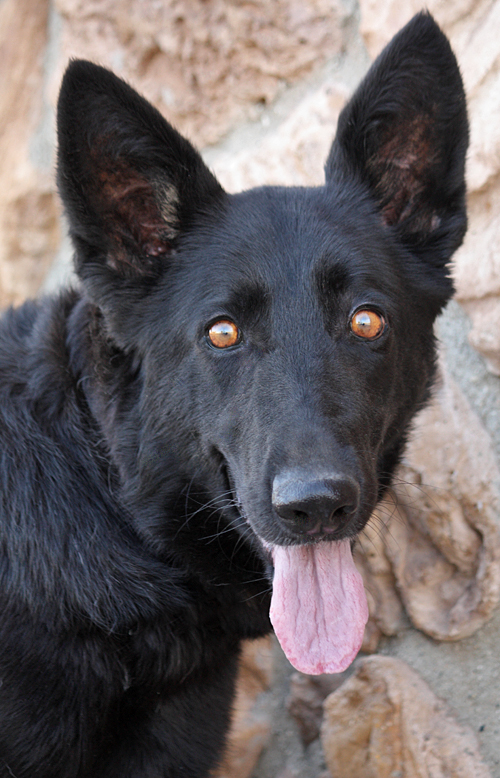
130 183
404 133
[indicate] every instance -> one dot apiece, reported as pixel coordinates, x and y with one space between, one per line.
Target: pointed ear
405 134
129 182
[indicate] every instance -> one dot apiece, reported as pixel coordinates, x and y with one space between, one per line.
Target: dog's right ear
130 183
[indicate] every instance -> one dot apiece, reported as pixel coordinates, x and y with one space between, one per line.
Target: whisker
259 594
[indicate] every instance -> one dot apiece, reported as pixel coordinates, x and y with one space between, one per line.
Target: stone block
385 722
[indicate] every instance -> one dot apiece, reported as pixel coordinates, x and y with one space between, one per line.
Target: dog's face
307 349
275 344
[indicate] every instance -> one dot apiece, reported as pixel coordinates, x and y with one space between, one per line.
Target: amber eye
367 324
223 334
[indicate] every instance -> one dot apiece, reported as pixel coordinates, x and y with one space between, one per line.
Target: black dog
223 401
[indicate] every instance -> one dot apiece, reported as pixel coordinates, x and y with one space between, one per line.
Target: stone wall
258 86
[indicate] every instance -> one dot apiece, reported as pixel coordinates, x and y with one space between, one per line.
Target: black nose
313 505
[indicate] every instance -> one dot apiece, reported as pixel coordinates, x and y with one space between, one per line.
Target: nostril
312 505
337 518
299 515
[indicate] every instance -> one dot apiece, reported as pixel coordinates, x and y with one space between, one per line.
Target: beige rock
384 604
292 154
485 333
381 21
477 273
252 723
305 701
453 451
205 65
386 722
29 230
475 41
477 262
438 531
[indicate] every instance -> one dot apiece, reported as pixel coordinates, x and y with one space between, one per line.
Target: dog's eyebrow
250 298
331 278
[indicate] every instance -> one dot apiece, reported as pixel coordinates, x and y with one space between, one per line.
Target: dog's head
262 355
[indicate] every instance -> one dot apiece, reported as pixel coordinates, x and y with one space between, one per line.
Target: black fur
137 460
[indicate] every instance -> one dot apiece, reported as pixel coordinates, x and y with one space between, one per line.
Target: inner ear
402 170
139 215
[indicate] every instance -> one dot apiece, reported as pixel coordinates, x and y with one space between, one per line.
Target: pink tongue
318 606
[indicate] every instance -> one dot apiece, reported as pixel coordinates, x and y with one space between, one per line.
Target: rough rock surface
436 541
386 722
305 702
251 727
206 65
292 155
29 212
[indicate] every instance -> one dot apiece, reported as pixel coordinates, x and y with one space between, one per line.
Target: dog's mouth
318 605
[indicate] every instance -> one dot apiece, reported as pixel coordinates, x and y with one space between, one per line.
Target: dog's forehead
295 238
